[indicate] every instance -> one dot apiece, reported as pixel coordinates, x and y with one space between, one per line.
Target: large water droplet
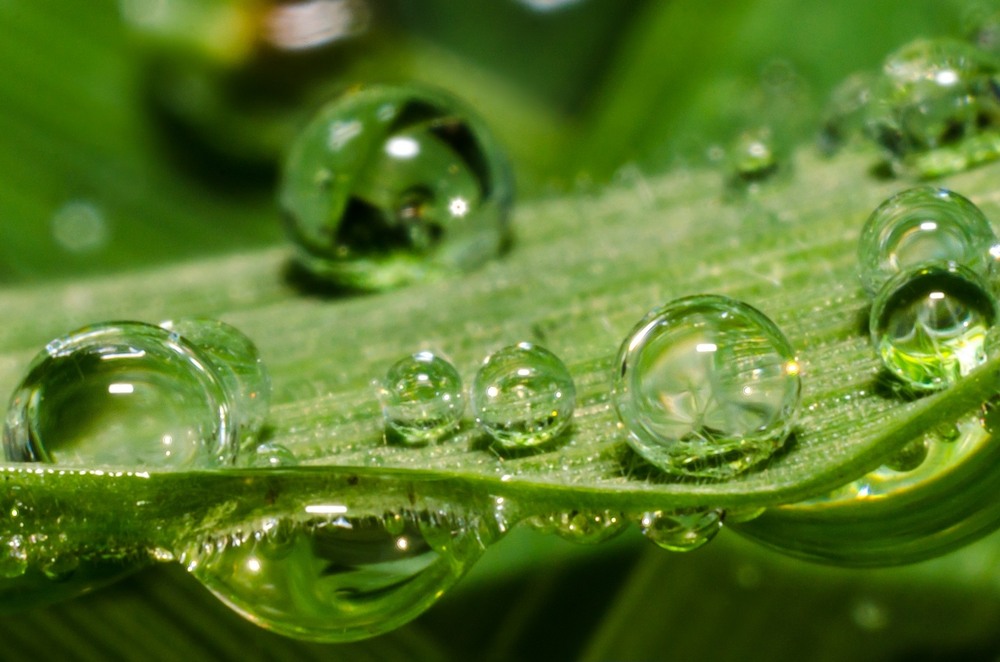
681 530
929 325
328 574
707 386
920 226
389 185
125 394
421 398
934 93
523 396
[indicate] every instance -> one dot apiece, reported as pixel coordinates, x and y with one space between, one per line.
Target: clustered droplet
928 258
185 395
932 109
391 185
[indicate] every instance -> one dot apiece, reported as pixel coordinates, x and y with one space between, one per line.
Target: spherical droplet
706 386
271 455
933 93
389 185
753 157
421 398
929 325
122 394
909 456
523 396
681 530
920 226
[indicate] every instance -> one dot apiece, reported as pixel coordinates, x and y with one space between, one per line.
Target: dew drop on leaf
706 386
523 396
390 185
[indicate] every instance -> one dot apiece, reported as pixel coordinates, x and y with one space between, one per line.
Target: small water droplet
929 325
415 193
753 157
523 396
923 225
340 576
125 394
845 114
707 386
60 567
911 456
582 526
79 227
238 365
681 530
421 398
271 455
869 615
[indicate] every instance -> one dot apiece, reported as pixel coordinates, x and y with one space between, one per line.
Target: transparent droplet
582 526
272 455
910 456
123 394
844 116
753 157
79 227
869 615
929 325
706 386
60 567
238 365
523 396
389 185
421 398
338 576
933 94
681 530
924 225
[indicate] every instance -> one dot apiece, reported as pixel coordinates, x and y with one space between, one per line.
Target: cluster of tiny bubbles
391 185
421 397
582 526
523 396
706 386
681 530
332 572
925 225
137 395
929 324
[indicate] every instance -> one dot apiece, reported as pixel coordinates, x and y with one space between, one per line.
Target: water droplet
582 526
125 394
845 114
523 396
911 456
338 576
753 156
707 386
929 325
413 186
421 398
60 567
272 455
924 225
933 94
869 615
79 227
681 530
237 363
